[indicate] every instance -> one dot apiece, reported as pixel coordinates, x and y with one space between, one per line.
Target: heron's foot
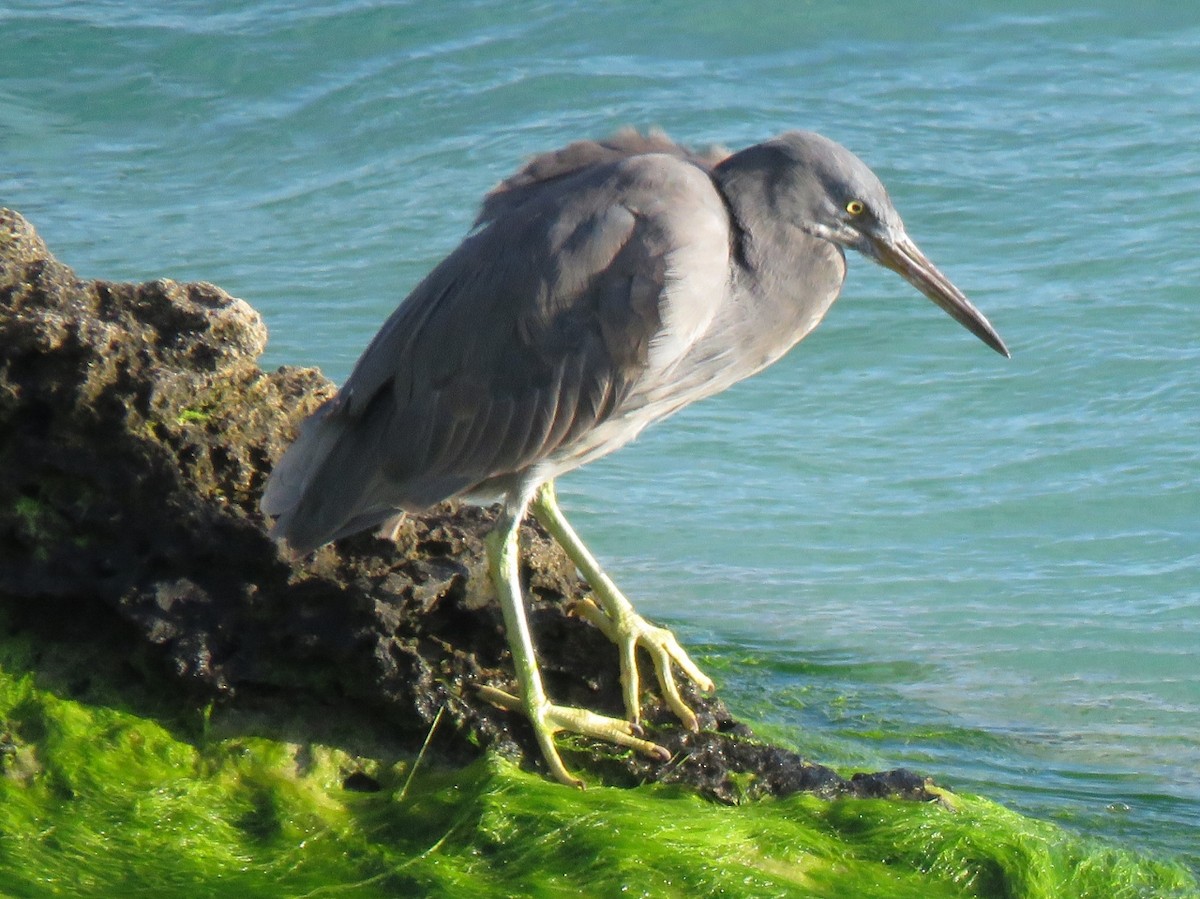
630 630
548 719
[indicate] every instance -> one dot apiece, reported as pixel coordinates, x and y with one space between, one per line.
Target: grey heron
604 287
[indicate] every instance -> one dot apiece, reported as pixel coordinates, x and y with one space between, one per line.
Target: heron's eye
855 207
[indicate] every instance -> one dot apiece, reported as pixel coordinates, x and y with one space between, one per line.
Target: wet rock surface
136 432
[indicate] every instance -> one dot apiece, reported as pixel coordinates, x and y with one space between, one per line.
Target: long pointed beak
901 255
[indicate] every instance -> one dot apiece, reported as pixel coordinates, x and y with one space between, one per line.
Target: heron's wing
535 330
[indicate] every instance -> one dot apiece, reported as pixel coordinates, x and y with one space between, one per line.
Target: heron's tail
320 490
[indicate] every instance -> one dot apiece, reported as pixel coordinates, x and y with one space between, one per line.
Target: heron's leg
617 618
546 718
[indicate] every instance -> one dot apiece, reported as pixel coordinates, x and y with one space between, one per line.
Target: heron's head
830 193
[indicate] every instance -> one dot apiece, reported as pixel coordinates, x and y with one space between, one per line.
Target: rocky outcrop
136 431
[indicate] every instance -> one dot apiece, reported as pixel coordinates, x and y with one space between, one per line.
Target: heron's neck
788 277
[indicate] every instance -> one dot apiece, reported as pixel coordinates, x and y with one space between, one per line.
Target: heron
604 286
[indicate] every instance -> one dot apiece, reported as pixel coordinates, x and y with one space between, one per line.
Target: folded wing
537 329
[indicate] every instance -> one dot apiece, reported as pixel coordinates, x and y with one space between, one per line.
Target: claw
549 719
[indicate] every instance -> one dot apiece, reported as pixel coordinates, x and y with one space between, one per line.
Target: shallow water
894 546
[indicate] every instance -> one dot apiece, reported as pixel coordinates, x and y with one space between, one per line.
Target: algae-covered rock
136 432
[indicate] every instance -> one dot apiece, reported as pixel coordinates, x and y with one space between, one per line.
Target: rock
136 432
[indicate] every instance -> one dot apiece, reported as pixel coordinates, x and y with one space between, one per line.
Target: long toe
665 649
630 631
549 719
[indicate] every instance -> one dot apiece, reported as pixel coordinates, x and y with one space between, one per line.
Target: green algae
101 797
193 416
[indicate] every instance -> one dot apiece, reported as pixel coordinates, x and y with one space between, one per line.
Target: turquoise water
894 547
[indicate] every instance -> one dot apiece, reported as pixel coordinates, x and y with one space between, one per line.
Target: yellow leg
617 618
547 719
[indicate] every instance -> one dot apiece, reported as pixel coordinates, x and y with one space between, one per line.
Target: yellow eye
855 207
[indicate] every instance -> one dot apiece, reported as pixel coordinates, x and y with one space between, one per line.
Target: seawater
894 547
